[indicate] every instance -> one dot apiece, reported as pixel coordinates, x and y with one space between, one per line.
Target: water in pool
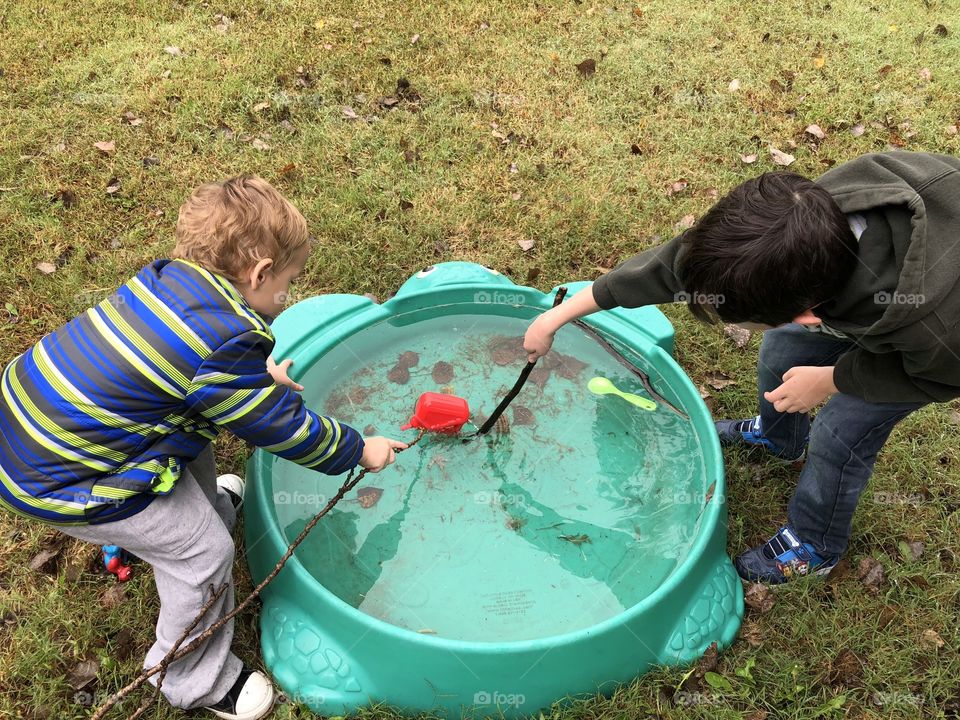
575 507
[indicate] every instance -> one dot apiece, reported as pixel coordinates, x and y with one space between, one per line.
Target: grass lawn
410 133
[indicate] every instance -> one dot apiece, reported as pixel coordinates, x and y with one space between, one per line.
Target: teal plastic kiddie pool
576 546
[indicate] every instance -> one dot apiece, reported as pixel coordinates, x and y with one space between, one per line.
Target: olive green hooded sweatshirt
901 305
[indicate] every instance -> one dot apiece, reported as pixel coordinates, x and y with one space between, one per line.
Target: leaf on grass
46 268
113 186
106 147
415 39
526 245
686 222
349 113
749 159
734 85
941 30
752 633
113 596
718 682
82 674
259 144
911 551
678 187
173 51
66 197
871 573
587 67
131 119
815 131
261 106
857 130
781 158
951 129
719 380
758 597
931 639
739 335
845 669
45 560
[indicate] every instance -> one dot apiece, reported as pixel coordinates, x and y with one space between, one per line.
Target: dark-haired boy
856 277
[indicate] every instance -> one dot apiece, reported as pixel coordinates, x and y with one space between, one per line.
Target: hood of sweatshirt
909 254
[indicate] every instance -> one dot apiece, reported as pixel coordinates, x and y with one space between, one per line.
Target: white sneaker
235 485
251 697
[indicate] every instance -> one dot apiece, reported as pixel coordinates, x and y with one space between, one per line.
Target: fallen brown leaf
587 67
106 147
526 245
815 131
46 268
82 674
759 597
931 639
749 159
686 222
871 573
781 158
739 335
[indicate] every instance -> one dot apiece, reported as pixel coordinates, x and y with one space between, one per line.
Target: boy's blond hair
226 227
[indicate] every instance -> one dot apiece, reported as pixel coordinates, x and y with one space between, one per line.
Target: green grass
662 84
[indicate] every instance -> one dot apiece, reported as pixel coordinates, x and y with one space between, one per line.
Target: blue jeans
845 437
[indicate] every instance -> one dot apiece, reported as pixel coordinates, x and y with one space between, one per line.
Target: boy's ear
807 318
258 273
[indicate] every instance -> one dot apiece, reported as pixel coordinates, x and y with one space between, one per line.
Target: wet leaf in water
442 373
369 496
408 359
398 374
523 415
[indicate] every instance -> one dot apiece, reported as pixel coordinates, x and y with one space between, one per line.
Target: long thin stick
521 381
644 378
173 656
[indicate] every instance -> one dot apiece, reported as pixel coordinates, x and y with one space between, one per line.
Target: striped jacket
98 418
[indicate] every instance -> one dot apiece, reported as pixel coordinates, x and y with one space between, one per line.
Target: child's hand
803 388
378 452
538 338
279 373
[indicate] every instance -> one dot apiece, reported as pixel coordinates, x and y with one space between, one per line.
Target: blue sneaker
783 557
750 432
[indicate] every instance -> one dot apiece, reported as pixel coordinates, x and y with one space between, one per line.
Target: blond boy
106 423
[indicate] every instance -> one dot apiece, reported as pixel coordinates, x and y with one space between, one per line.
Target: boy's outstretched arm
233 389
539 336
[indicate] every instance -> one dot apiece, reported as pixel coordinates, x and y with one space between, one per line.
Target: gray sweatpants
186 537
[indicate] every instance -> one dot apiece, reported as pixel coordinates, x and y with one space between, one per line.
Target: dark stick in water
524 374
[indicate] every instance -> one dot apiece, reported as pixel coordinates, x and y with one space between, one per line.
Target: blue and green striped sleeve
233 389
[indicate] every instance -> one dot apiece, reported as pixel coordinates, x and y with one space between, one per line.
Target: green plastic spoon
602 386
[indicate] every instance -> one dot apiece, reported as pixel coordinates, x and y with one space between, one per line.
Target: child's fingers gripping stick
378 452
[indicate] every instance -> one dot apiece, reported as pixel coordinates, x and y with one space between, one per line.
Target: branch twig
175 654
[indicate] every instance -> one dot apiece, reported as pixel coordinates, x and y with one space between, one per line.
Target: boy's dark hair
775 246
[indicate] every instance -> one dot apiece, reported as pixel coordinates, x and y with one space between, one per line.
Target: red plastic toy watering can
438 412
